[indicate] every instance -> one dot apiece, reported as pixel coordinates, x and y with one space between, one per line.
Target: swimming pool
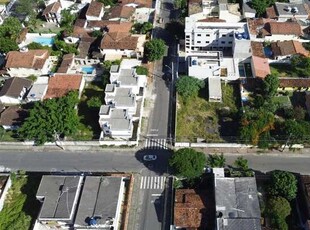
44 41
88 69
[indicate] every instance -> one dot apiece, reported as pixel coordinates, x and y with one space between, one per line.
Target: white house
28 62
52 12
95 11
14 90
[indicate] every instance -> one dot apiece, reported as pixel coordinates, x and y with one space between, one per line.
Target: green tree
188 87
299 113
270 86
94 103
142 28
187 163
109 2
35 46
154 49
10 28
7 45
216 161
283 184
67 19
27 7
96 33
260 6
278 208
57 115
141 70
64 47
242 165
294 131
301 65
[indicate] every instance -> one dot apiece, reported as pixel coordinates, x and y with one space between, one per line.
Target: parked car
149 157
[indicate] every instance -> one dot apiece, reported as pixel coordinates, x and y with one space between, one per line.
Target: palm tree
216 161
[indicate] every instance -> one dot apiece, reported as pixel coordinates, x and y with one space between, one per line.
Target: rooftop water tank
194 62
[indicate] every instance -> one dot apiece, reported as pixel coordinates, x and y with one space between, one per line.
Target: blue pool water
268 51
44 41
88 69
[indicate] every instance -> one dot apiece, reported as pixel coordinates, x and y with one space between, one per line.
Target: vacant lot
21 207
283 70
210 121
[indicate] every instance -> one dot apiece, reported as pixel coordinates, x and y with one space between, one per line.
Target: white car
149 157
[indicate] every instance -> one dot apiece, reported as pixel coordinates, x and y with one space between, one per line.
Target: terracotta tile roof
51 8
300 49
121 12
30 59
283 48
80 22
189 209
294 82
94 9
257 49
255 25
101 23
119 40
66 63
261 66
81 32
124 27
212 19
140 3
13 115
60 84
285 28
13 86
271 12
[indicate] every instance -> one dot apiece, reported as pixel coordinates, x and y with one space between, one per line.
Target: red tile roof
61 84
31 59
285 28
261 66
119 40
13 115
257 49
94 9
140 3
294 82
52 8
121 12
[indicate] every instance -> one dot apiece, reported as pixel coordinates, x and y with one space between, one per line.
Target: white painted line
162 182
148 182
144 183
152 135
154 130
155 182
158 183
151 183
156 194
141 182
145 143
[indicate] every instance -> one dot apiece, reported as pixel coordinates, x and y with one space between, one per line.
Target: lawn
199 118
4 1
89 128
283 70
21 207
282 100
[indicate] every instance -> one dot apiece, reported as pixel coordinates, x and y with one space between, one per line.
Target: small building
14 90
291 11
215 89
95 11
248 11
67 64
59 197
52 12
236 203
12 117
260 67
282 51
38 89
28 62
61 84
121 13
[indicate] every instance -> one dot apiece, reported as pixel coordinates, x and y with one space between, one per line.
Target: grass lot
282 100
8 135
283 70
21 207
4 1
89 128
199 118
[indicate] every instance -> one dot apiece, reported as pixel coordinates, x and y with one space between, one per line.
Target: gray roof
114 68
99 198
37 91
215 88
13 87
60 196
109 88
122 97
127 77
104 110
280 8
118 120
237 197
246 8
238 224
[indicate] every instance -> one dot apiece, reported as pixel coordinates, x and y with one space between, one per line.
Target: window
198 41
222 42
224 35
229 42
207 35
199 35
231 35
187 36
207 42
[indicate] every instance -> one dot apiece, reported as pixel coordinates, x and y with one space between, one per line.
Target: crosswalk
155 143
152 182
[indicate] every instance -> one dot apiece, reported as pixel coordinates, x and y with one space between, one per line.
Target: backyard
208 121
283 70
21 207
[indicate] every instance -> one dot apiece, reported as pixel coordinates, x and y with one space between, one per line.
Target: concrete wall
5 191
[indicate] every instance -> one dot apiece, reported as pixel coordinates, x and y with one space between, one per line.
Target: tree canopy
278 208
216 161
57 115
10 28
154 49
283 184
67 20
188 86
301 65
7 45
187 163
242 167
142 28
270 86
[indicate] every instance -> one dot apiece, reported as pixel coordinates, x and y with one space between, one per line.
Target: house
101 203
283 50
95 11
59 197
67 64
52 12
14 90
115 123
77 202
121 13
84 46
143 11
26 63
215 89
12 117
236 202
260 67
247 11
290 11
189 209
5 185
38 90
61 84
116 45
